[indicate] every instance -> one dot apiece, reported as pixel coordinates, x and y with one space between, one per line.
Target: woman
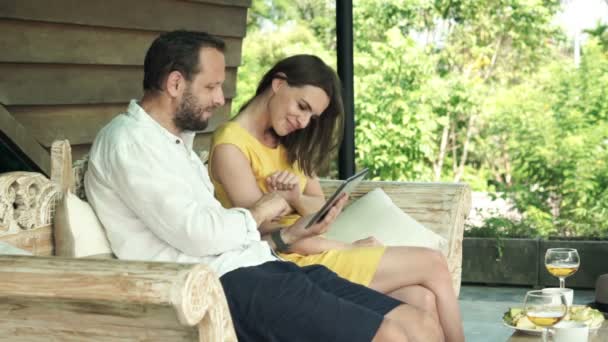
277 143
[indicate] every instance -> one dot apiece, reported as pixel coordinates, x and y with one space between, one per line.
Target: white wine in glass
562 263
545 309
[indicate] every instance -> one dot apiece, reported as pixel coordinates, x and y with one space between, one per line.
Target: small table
600 335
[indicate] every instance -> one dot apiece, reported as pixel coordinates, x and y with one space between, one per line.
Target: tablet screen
345 188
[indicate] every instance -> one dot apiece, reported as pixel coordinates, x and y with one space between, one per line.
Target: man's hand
269 207
285 184
298 230
369 241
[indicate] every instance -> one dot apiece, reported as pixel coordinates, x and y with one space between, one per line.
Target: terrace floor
483 306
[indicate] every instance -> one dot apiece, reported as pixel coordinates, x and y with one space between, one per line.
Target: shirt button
177 141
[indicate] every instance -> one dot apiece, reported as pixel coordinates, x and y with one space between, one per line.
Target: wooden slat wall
222 18
76 44
68 66
80 123
40 84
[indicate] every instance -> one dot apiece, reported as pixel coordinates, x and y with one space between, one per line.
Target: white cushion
8 249
78 232
376 215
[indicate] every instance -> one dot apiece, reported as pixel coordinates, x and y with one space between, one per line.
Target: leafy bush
495 227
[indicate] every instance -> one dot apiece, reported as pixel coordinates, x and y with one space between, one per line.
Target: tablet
345 188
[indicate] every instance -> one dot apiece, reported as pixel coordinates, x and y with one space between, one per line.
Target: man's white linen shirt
154 197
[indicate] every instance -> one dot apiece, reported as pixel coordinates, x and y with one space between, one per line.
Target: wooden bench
46 297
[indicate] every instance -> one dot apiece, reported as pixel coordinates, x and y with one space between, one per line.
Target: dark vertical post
344 32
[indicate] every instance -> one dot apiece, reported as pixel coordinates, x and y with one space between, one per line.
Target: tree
476 47
555 130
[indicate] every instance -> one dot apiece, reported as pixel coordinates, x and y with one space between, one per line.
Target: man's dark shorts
280 301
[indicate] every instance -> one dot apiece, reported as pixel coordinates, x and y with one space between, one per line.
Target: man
154 197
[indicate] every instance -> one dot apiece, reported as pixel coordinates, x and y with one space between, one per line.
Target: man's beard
189 115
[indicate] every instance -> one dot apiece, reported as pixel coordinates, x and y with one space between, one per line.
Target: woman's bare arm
231 168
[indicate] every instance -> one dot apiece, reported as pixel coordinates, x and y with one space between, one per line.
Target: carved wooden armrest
27 201
441 207
27 205
112 298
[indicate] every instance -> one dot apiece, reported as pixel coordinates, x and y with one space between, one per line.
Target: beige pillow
376 215
78 232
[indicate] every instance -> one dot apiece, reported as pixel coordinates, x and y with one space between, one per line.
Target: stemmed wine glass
562 263
545 309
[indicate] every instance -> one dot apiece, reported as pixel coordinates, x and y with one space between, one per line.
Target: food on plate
516 317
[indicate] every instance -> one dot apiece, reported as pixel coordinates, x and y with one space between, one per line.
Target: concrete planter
483 263
523 261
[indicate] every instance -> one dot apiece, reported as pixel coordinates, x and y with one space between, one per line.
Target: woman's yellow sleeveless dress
357 264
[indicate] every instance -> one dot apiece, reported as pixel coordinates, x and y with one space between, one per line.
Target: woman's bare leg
401 267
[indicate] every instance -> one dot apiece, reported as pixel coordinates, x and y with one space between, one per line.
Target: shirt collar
187 137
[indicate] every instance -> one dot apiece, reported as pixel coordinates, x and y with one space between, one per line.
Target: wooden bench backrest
441 207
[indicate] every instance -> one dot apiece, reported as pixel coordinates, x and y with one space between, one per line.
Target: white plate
524 330
536 331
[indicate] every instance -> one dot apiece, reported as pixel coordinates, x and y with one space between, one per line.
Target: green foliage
394 124
501 227
600 32
555 131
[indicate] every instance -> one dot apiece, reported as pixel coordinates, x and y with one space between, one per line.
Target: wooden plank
38 241
80 123
154 15
220 116
22 138
77 123
101 281
48 84
36 42
140 294
202 142
79 151
38 321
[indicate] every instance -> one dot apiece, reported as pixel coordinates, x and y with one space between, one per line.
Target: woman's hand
369 241
285 184
298 230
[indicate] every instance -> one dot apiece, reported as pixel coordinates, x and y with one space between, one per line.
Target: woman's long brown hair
312 146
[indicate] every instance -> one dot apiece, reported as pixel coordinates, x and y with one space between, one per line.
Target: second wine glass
545 309
562 263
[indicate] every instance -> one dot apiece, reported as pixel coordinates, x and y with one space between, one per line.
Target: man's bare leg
407 323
